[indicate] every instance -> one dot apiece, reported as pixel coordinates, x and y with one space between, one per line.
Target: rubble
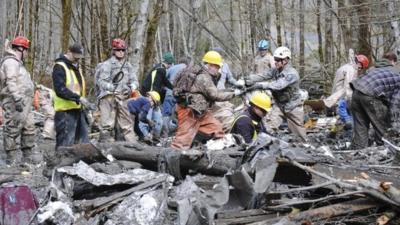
272 181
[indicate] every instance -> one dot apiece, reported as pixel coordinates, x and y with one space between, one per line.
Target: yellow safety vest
254 124
72 83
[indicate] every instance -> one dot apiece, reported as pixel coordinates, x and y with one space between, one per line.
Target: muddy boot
32 156
12 157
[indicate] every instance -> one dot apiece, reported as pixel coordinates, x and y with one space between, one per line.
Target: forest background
319 32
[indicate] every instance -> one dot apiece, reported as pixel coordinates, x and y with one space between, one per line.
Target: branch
199 23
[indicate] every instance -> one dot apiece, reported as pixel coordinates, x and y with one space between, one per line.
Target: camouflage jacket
195 88
285 87
15 80
108 69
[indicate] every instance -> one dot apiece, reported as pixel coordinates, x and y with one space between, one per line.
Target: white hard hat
282 53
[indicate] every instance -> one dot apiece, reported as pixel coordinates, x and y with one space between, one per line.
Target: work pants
189 125
71 127
295 120
368 110
114 109
19 127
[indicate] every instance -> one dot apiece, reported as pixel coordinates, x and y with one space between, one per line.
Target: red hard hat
118 43
21 41
363 60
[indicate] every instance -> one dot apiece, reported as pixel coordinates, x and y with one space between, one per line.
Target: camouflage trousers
19 127
114 111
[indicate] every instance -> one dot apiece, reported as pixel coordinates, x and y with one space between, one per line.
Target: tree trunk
328 37
66 23
320 50
140 27
395 26
293 27
344 24
253 25
278 15
93 33
364 35
151 32
105 42
302 54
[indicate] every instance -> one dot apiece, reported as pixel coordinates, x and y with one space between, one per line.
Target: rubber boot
32 156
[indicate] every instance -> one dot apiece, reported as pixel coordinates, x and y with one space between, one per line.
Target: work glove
255 87
238 92
126 92
248 82
86 104
240 83
19 106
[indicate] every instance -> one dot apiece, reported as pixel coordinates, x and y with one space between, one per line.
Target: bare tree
66 23
302 53
148 58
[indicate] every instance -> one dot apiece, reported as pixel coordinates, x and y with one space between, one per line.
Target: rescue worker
264 59
17 95
116 82
157 80
341 91
249 122
283 81
147 116
168 106
69 100
226 74
223 111
371 101
44 104
196 93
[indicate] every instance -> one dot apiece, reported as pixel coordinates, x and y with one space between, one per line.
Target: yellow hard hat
155 96
213 57
261 100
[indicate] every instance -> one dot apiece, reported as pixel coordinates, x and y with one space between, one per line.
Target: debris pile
270 182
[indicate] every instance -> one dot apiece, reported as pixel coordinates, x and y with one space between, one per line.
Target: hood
64 59
383 63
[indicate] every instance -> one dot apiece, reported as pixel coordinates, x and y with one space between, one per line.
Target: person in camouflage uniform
17 95
114 93
193 105
284 83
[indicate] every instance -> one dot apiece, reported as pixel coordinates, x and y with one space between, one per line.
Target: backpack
183 82
17 205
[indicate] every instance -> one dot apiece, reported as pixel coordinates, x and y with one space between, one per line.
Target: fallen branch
373 193
323 213
329 197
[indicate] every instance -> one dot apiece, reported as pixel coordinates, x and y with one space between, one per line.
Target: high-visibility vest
254 123
72 83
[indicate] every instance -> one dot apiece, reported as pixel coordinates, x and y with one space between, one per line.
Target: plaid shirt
380 82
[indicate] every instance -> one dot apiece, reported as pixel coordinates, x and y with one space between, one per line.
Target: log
215 163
